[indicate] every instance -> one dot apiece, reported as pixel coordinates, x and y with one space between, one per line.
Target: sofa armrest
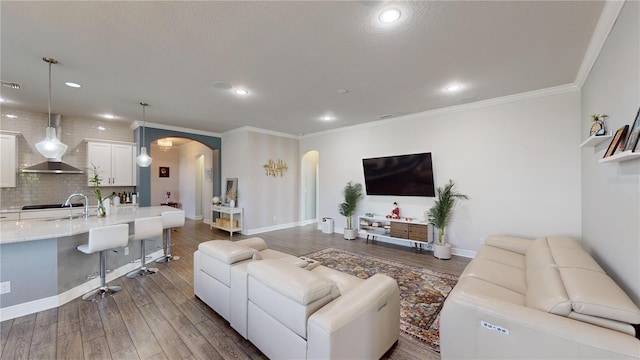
511 243
362 324
521 331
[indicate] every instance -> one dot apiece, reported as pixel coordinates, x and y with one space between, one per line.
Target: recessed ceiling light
453 87
11 116
2 100
241 91
102 128
108 116
327 118
390 15
72 84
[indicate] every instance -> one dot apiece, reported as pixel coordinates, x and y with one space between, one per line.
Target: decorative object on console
598 127
352 193
615 142
440 216
216 201
634 134
272 168
422 291
395 212
51 147
167 197
232 191
143 160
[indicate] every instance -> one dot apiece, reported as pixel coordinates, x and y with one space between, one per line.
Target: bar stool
144 229
170 219
102 239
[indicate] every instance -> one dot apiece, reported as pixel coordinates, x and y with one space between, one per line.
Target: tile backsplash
33 189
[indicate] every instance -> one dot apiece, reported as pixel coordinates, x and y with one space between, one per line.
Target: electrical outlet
5 287
126 250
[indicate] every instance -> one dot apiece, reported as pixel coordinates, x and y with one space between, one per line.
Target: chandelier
165 144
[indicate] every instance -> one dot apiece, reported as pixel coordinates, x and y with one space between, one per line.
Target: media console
416 232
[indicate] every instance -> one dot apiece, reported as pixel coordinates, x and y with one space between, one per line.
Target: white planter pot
442 252
350 234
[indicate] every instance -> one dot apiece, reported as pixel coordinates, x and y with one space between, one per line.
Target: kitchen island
45 270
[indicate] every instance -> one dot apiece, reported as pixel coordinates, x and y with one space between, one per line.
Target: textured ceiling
293 57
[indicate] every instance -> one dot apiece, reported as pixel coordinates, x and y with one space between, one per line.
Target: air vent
11 85
381 117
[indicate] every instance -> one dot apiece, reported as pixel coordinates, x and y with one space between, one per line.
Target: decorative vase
102 211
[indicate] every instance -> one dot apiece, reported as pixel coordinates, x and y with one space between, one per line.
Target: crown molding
608 18
136 124
261 131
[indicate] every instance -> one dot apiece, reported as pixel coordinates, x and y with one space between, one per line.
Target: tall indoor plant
352 194
440 216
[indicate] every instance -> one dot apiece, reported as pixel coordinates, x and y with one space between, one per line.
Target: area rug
422 291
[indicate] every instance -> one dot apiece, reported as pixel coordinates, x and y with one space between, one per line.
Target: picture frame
615 142
231 190
634 135
163 171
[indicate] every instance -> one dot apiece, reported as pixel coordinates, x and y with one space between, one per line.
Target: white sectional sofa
543 298
294 308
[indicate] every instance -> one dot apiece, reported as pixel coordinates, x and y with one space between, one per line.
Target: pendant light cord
49 93
144 120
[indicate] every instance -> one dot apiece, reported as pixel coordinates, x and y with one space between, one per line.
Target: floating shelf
595 140
623 156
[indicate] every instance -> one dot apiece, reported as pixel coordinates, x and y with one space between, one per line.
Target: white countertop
38 229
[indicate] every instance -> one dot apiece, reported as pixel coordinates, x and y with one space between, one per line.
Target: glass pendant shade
143 160
51 147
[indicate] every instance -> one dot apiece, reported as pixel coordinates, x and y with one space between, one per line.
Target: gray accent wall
611 192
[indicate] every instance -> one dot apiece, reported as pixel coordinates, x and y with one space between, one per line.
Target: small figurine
395 212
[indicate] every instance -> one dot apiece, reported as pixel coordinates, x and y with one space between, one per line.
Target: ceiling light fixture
165 144
241 91
390 15
51 147
72 84
327 118
452 88
143 160
2 100
11 116
102 128
108 116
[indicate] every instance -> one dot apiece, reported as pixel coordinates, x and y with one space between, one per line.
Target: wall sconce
272 168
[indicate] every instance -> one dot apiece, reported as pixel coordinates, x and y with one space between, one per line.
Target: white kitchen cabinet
8 168
115 163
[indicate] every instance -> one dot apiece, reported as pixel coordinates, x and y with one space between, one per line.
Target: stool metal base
142 272
167 258
101 293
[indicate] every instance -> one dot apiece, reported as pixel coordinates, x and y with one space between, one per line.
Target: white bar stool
170 219
144 229
102 239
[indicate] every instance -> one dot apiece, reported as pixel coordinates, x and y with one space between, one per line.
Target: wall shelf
623 156
595 140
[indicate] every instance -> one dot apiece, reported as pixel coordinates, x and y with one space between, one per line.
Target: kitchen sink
70 217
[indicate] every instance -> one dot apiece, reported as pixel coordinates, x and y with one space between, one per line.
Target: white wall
517 160
268 202
611 192
188 153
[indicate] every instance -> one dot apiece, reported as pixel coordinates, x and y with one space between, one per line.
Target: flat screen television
401 175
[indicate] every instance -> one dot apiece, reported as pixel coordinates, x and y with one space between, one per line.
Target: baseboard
34 306
270 228
307 222
464 253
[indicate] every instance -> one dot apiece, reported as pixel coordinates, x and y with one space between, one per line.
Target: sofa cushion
292 282
254 243
226 251
546 291
343 281
596 294
482 288
502 256
506 276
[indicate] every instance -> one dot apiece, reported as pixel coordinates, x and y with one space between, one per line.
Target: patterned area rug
422 291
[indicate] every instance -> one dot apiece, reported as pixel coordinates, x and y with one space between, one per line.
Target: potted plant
96 180
440 215
352 194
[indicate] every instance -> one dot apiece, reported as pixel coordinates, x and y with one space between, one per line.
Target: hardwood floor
158 317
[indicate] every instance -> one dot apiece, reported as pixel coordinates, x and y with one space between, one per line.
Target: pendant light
143 159
51 147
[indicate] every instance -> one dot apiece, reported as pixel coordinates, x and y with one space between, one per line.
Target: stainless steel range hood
55 166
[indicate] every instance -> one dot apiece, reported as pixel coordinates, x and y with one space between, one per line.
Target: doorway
309 187
199 177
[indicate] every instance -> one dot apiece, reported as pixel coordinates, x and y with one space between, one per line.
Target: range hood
53 166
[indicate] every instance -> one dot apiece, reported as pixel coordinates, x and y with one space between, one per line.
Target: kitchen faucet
86 203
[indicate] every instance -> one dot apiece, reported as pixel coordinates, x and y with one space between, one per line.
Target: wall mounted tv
402 175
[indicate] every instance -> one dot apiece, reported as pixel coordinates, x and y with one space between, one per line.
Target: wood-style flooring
158 317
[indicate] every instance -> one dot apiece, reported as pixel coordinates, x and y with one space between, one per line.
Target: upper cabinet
8 156
115 162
